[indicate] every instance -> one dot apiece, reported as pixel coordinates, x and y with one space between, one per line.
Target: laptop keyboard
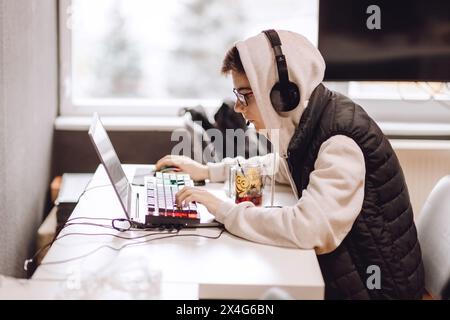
162 207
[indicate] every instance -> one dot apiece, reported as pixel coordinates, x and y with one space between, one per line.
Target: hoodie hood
306 68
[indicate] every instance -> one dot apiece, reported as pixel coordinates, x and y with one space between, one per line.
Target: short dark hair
232 62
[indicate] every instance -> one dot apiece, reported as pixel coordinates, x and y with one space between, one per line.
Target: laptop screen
110 161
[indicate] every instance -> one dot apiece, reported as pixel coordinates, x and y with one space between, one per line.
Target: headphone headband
275 42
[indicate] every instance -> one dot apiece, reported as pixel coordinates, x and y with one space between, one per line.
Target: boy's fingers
164 162
181 195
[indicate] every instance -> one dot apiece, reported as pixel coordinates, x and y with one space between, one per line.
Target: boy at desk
353 205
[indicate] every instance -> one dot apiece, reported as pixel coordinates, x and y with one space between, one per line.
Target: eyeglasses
242 97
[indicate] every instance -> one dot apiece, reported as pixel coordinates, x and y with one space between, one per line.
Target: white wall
424 163
28 107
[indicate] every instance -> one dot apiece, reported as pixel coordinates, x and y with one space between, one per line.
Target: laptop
153 203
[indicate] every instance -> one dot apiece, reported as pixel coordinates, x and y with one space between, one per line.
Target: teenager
353 205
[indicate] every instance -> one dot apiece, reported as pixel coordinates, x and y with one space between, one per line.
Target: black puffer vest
384 233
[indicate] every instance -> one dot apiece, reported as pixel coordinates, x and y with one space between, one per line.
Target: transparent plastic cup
247 183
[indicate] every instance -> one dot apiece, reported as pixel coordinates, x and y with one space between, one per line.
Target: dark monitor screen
405 41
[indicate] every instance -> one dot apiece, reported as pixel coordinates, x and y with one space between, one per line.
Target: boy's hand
196 170
206 198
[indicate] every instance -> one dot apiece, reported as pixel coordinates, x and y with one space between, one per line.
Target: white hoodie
333 198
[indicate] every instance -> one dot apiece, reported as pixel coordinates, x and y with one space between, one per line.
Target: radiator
424 162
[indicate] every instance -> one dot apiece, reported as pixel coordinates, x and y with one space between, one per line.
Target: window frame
383 110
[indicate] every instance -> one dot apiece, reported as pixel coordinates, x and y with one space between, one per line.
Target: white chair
433 228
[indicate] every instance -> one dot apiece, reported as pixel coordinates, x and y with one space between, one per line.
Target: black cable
32 259
109 234
49 244
88 234
131 244
88 218
110 219
87 224
69 223
66 224
113 220
89 189
56 238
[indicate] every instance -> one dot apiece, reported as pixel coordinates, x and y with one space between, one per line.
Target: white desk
191 267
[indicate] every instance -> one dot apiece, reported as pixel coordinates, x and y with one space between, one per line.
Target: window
133 56
140 57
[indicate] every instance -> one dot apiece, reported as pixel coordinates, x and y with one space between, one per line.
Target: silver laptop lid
111 162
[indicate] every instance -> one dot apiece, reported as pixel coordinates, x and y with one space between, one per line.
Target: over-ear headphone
285 95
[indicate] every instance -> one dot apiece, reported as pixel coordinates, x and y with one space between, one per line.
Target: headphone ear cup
285 99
